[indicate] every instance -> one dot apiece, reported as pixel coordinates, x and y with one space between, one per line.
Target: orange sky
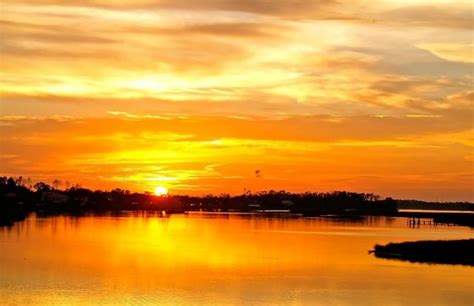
375 96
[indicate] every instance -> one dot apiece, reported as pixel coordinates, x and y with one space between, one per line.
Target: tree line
19 197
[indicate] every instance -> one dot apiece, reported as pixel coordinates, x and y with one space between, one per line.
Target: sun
160 190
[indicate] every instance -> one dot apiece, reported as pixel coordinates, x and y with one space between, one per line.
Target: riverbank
10 215
18 200
457 252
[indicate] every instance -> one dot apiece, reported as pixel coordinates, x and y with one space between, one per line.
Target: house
254 205
54 197
10 195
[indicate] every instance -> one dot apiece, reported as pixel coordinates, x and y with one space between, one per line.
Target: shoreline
440 218
454 252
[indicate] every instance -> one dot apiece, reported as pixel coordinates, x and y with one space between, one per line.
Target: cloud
463 53
294 8
303 89
132 151
448 15
211 51
452 14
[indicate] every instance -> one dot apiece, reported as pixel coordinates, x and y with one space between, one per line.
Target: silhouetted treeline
309 204
17 200
415 204
19 197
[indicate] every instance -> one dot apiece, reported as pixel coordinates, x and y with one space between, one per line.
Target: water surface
140 258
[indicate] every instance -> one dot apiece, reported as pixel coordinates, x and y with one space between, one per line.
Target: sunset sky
375 96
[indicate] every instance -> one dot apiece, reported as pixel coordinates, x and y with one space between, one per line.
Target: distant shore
456 252
18 199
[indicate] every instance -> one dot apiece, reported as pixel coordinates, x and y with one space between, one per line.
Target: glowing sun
160 190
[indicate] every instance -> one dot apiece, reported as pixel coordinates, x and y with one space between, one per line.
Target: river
142 258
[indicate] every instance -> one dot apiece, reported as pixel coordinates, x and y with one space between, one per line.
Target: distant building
82 201
54 197
10 195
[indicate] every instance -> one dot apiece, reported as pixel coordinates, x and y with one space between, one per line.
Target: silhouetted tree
57 183
11 182
19 181
40 186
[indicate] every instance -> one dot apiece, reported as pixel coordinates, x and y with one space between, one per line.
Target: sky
224 96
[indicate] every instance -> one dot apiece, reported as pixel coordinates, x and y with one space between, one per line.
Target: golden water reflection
221 259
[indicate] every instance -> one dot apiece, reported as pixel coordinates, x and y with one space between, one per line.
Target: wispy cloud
223 153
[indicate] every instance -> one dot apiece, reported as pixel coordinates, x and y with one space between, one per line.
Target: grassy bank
440 251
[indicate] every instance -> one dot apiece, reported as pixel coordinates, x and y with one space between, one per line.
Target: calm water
221 259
